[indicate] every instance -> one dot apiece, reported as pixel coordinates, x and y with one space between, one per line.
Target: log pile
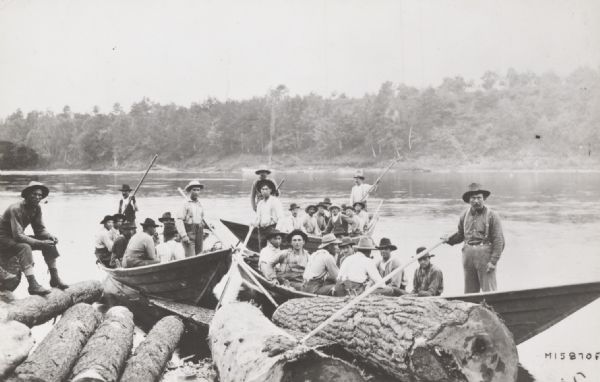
428 339
247 347
35 310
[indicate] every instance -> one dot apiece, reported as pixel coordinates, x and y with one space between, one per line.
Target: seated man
388 264
292 222
141 250
118 220
104 241
359 209
171 249
294 260
346 249
321 271
338 223
428 279
358 270
354 222
14 242
270 255
127 230
310 224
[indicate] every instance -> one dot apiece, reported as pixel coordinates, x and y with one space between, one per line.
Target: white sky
97 52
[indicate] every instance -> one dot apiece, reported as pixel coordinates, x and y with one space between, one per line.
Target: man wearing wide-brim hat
271 254
293 221
321 272
388 263
269 210
141 250
255 194
118 220
127 204
170 249
189 219
428 279
104 241
127 230
346 249
358 270
338 223
14 241
480 229
360 191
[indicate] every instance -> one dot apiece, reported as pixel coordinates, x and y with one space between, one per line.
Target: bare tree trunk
410 338
14 347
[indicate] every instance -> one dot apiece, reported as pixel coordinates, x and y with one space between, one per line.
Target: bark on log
409 338
150 358
53 359
247 347
35 310
104 356
14 347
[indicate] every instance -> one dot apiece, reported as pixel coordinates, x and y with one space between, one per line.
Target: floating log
15 345
409 338
104 356
247 347
35 310
53 359
150 358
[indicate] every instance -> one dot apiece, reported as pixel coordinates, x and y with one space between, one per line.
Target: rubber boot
35 288
6 275
55 281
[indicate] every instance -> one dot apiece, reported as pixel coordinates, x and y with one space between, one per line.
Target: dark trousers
262 235
475 260
24 252
319 286
103 256
349 288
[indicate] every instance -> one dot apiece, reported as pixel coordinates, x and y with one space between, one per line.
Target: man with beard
481 230
428 279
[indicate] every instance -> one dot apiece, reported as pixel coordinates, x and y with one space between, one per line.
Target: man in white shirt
104 241
271 255
359 210
171 249
354 222
310 224
127 204
360 190
292 222
268 211
189 220
357 270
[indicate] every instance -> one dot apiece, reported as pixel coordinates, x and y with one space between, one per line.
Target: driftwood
150 358
53 359
104 355
409 338
15 345
35 310
246 347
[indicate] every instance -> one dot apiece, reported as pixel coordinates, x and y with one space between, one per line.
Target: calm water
551 224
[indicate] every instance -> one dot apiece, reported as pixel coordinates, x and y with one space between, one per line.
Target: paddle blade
228 289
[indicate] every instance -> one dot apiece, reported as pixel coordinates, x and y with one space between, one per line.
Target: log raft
409 338
53 359
247 347
104 356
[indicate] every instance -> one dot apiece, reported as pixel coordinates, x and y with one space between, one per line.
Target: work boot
35 288
55 281
6 275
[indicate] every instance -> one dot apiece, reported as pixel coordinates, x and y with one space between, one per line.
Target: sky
83 53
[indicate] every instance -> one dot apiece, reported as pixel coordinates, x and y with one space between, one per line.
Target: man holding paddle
361 190
127 204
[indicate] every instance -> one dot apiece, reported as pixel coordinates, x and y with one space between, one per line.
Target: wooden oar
374 220
280 183
367 292
379 179
135 190
233 262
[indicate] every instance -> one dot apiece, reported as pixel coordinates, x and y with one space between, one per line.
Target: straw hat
346 241
35 185
359 174
365 243
194 183
328 239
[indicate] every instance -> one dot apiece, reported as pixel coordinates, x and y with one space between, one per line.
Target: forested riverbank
513 120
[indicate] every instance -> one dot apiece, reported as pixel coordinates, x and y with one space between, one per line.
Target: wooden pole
135 190
367 292
379 178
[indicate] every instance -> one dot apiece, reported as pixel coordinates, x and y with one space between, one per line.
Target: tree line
513 116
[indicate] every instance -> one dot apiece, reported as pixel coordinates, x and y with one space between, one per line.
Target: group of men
118 244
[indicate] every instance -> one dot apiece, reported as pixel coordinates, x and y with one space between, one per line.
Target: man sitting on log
14 242
271 255
294 260
358 270
389 262
346 249
428 279
104 241
268 211
127 231
141 250
310 224
321 272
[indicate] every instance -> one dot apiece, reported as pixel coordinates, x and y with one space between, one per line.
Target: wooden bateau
526 312
188 280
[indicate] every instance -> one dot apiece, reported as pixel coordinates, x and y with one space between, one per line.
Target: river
551 223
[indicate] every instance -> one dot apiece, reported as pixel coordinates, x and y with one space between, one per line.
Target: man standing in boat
255 194
127 204
481 230
189 220
14 241
268 211
361 190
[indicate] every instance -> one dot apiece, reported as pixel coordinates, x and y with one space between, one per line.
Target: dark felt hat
149 223
127 225
166 217
294 233
346 241
125 187
326 201
309 207
262 169
386 243
294 206
274 232
119 216
362 204
267 182
107 218
35 185
474 189
421 249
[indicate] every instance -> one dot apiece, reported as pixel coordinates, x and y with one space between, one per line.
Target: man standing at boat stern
189 220
481 230
14 241
127 204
